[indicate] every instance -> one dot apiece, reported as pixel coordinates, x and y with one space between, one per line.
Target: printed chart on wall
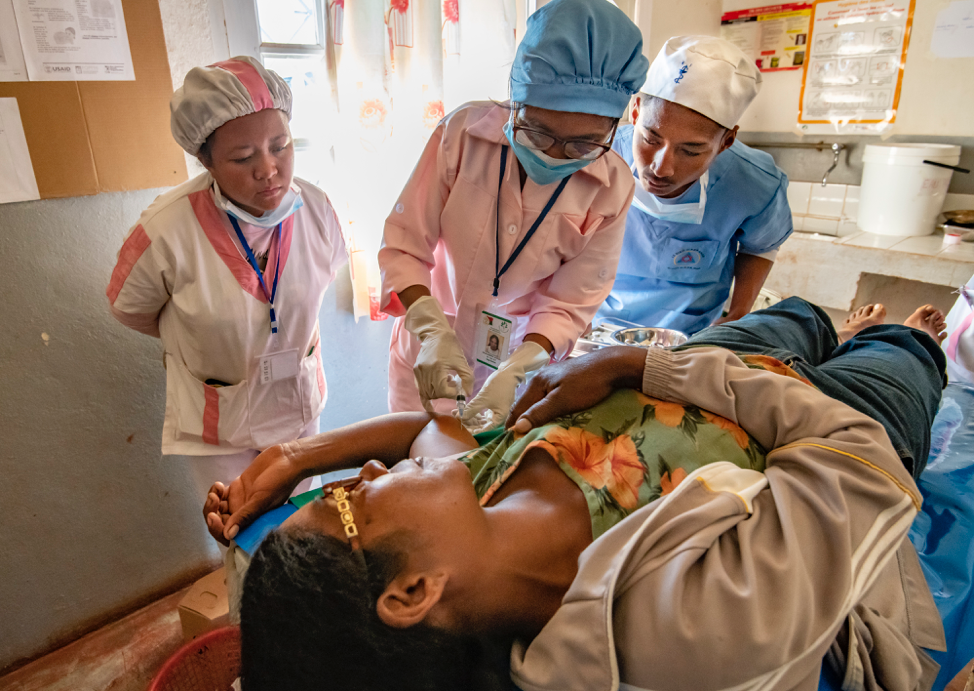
17 183
74 40
12 66
857 51
775 36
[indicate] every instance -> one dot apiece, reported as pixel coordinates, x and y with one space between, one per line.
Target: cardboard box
205 607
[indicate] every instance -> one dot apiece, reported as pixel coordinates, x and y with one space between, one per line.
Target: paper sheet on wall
74 40
17 183
12 65
854 71
953 32
774 36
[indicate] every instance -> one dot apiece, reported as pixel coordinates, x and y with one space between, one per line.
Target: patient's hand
215 511
266 484
576 384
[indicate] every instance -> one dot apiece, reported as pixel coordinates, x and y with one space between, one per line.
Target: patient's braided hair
309 621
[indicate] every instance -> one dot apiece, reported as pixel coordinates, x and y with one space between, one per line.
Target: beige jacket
740 579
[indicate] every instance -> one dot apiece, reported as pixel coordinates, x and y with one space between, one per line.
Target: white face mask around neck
674 213
292 202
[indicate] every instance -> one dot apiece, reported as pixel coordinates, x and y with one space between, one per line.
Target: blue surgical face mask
292 202
540 167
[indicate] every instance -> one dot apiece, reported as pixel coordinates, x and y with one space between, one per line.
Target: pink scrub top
441 234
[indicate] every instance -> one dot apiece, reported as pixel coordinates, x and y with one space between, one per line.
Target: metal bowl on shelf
961 217
646 337
959 223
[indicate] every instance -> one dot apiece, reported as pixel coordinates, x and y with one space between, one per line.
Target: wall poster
17 183
74 40
12 66
775 36
854 70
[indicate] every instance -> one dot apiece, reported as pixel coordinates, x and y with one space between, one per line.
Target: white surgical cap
705 74
213 95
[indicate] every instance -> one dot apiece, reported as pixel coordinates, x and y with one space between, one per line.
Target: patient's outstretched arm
273 475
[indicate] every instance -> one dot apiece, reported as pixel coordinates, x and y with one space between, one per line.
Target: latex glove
439 353
497 394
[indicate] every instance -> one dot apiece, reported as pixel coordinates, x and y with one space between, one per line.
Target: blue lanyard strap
253 263
498 270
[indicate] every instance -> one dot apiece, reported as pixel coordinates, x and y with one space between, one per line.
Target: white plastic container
900 194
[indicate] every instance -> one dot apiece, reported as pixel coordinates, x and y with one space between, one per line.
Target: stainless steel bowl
645 337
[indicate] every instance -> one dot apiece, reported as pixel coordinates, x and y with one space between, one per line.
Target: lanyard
498 271
256 268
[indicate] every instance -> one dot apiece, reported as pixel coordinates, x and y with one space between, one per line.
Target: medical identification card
493 337
280 365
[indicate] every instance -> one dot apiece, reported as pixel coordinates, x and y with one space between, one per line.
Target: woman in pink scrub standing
513 219
229 269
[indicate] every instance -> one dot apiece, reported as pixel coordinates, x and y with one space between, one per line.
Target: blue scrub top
678 275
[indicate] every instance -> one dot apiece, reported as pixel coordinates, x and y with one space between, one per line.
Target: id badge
492 339
276 366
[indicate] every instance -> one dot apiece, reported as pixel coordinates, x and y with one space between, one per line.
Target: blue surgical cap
579 56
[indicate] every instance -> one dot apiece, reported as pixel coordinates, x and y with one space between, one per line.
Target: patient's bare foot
867 315
930 320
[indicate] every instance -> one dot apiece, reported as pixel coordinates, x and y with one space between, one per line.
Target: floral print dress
623 453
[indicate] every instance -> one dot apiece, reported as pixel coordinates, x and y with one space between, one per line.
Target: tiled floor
123 656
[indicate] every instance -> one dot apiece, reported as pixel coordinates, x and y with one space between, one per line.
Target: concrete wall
93 523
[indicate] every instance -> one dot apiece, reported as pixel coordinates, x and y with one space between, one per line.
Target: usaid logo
687 259
55 69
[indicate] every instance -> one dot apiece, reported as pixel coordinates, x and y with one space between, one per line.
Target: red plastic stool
208 663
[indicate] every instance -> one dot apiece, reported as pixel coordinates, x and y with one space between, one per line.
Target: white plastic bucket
900 194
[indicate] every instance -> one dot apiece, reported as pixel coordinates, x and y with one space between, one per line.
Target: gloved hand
497 394
439 354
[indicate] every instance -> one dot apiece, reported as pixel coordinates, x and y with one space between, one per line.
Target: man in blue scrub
708 210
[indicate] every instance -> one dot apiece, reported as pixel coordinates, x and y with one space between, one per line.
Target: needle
461 398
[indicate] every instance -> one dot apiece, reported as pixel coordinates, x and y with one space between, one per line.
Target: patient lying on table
742 524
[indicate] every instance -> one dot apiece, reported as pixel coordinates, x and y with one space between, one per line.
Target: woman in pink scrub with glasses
513 219
229 270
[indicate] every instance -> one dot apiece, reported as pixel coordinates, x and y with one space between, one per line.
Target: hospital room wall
935 105
92 523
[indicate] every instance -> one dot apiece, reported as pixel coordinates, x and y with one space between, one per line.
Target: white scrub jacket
180 276
678 275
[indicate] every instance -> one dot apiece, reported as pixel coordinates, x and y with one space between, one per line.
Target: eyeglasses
340 489
578 149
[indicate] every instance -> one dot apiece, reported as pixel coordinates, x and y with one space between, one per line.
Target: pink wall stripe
251 80
955 337
211 416
136 243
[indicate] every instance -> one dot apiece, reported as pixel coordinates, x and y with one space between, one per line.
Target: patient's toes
865 316
930 320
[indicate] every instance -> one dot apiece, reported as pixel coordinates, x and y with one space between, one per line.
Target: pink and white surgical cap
213 95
